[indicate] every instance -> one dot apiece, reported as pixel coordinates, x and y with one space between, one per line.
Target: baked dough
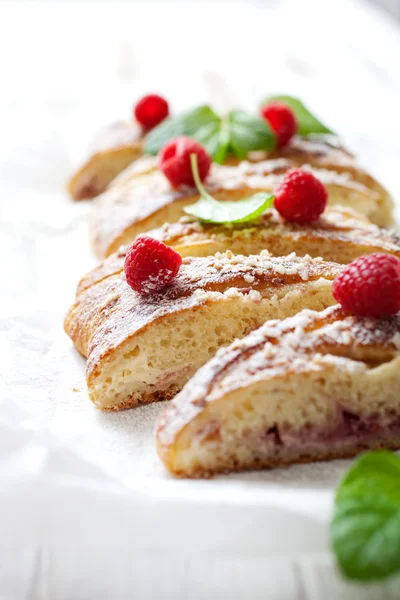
340 236
316 386
113 150
141 198
145 348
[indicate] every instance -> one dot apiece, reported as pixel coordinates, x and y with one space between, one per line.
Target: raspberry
150 265
300 197
151 110
369 286
175 160
281 120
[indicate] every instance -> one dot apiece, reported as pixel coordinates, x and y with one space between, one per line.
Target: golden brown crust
307 344
131 402
302 337
141 198
110 300
385 442
108 315
340 235
113 150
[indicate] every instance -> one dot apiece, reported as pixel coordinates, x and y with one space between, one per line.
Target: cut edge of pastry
143 348
317 386
99 171
125 211
155 362
114 148
341 235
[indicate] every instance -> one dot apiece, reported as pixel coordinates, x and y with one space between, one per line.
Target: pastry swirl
340 235
141 198
144 348
315 386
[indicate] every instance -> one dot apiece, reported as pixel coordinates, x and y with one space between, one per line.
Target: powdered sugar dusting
309 341
157 281
132 200
108 311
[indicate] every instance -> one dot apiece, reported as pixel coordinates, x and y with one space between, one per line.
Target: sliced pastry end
317 386
113 150
145 348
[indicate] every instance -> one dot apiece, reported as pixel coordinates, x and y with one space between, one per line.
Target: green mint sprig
365 531
306 121
212 211
237 133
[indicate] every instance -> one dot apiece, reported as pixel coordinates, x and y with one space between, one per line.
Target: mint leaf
241 211
239 132
201 123
366 538
372 473
249 133
211 211
307 122
365 530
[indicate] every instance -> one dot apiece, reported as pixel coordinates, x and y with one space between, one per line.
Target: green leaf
201 123
366 537
238 132
372 473
211 211
241 211
307 122
365 530
249 133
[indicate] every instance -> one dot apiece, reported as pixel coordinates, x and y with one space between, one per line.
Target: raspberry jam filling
350 427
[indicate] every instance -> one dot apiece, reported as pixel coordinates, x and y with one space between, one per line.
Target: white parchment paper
67 470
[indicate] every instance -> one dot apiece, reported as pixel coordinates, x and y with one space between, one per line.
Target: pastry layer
141 198
312 387
144 348
340 236
113 150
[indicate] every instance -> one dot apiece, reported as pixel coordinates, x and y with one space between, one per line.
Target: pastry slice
340 235
325 152
142 198
315 386
113 150
145 348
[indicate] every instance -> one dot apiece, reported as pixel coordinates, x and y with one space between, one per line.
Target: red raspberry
150 265
281 120
300 197
175 160
369 286
151 110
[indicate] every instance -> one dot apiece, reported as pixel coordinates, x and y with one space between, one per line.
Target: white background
86 509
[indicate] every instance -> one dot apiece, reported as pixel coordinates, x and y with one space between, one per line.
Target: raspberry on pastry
370 286
175 161
143 348
150 265
151 110
316 386
281 120
300 197
141 198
